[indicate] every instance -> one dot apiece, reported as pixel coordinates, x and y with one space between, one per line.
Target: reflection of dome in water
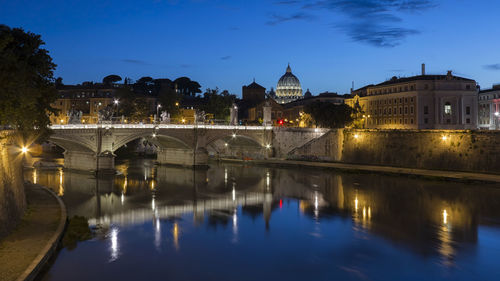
288 88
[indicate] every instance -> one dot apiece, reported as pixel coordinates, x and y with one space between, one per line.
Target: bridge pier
88 161
182 157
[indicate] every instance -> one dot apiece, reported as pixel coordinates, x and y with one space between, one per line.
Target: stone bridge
93 147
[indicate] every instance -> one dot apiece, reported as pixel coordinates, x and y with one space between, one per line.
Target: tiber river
244 222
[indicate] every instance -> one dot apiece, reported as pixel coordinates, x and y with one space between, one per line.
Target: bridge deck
158 126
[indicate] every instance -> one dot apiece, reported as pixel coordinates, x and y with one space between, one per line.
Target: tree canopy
131 105
329 115
218 104
110 79
187 87
26 82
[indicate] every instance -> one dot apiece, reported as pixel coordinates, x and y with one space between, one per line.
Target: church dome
288 88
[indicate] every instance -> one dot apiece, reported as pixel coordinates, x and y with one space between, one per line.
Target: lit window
447 108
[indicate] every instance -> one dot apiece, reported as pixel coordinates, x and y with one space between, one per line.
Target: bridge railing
158 126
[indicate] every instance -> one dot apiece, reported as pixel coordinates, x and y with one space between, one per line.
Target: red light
281 203
281 122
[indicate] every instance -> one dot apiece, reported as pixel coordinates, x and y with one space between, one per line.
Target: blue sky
225 44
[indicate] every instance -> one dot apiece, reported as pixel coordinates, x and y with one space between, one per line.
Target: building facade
489 108
293 111
89 100
253 94
419 102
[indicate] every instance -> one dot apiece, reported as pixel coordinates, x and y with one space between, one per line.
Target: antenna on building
352 88
423 69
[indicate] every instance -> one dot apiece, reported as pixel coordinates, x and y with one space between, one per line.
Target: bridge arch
71 145
235 138
161 140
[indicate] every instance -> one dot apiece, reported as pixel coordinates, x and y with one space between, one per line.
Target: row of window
403 89
392 90
487 97
391 121
389 101
389 111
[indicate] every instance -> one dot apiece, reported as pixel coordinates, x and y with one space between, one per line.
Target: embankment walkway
24 252
453 175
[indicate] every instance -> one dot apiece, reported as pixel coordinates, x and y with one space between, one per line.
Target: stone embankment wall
457 150
286 140
12 198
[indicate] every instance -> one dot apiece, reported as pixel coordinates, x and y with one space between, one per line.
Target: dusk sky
227 43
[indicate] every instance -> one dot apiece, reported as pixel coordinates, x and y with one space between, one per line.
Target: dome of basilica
288 88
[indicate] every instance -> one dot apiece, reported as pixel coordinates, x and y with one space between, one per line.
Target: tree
169 99
131 105
187 87
127 81
218 104
26 82
59 81
110 79
329 115
144 80
358 116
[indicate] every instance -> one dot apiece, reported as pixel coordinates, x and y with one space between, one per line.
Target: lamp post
157 111
497 116
366 120
116 102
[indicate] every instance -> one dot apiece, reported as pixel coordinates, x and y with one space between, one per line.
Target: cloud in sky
495 66
374 22
135 61
277 19
225 57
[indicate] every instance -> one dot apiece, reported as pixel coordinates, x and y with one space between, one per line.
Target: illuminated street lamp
158 110
116 102
497 115
24 150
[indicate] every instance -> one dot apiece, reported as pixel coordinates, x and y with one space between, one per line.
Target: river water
244 222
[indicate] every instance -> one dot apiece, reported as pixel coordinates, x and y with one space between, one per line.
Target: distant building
293 110
290 113
253 94
307 94
489 108
89 99
419 102
288 88
256 113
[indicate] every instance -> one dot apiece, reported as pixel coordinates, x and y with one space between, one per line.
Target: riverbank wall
452 150
12 196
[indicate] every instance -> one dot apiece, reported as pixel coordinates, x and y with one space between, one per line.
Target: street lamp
158 111
116 102
497 115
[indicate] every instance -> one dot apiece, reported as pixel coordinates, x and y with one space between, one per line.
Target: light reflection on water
276 223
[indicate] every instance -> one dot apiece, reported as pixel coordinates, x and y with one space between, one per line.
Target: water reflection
426 218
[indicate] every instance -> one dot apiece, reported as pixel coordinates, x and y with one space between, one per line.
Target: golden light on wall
445 216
